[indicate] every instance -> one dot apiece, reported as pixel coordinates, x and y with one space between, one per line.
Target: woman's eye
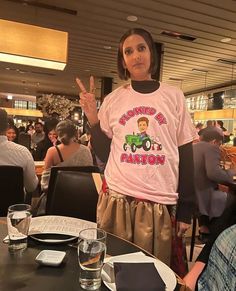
142 48
128 51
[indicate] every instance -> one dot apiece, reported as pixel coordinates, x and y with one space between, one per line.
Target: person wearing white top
13 154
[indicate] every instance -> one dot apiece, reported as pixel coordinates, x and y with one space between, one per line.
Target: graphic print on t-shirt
142 140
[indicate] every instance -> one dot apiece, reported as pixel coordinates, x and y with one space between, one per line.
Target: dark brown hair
122 72
212 133
3 121
66 130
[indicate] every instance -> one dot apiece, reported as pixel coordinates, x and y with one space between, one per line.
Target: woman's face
11 134
52 135
137 57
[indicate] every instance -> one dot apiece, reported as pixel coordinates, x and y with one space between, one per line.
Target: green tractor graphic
138 141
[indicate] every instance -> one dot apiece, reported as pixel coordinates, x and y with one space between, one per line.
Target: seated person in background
49 140
209 124
13 154
215 267
208 174
68 153
234 141
12 133
226 137
38 135
31 130
199 126
85 138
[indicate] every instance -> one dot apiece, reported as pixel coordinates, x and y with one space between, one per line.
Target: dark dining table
19 271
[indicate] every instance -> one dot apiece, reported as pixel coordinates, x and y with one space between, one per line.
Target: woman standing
146 174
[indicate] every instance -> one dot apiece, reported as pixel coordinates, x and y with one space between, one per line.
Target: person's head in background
11 121
213 135
21 129
38 127
66 131
12 133
136 55
220 124
234 141
31 127
199 126
3 121
210 123
50 131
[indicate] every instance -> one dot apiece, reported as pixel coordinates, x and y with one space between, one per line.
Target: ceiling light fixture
226 39
33 45
132 18
107 47
200 71
181 61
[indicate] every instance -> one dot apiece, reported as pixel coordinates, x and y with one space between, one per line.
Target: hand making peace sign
87 101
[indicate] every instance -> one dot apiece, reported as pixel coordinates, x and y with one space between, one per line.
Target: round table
19 271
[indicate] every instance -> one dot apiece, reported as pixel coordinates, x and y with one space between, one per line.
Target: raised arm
88 101
100 142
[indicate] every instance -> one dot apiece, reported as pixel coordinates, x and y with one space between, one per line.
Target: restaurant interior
46 44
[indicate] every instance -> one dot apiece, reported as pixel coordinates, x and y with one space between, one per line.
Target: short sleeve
186 131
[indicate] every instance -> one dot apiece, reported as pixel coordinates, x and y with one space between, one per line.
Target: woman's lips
138 65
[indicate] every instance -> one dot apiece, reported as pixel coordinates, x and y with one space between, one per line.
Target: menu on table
59 225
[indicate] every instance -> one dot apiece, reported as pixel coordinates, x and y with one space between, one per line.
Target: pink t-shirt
144 159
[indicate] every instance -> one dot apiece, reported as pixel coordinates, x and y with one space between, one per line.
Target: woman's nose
137 56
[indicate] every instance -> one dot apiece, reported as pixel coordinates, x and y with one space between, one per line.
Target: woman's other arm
187 200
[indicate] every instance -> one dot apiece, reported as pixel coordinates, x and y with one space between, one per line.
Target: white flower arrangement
51 104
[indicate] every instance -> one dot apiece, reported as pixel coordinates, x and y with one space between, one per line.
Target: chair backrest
12 187
72 192
54 171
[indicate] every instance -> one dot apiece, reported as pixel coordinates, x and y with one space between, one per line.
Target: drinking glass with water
18 222
91 253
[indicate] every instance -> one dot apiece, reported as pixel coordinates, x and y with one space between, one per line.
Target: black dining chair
193 236
72 192
12 187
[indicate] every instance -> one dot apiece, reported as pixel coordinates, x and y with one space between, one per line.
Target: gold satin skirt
146 224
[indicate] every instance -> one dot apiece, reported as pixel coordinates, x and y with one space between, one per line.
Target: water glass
18 222
91 254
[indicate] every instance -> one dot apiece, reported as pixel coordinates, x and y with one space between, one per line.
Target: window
31 105
20 104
